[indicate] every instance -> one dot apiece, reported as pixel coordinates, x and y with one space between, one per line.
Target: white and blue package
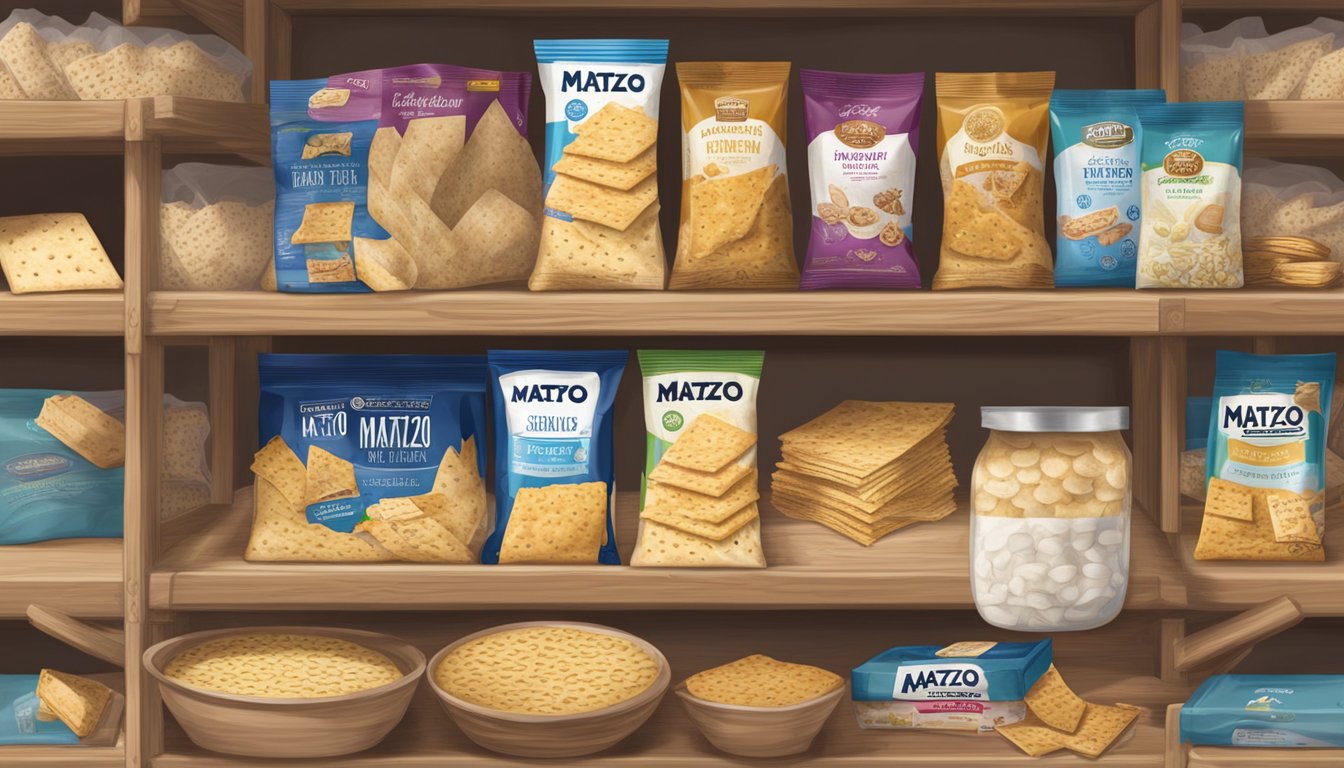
554 483
1097 139
371 428
19 723
1266 711
968 686
47 490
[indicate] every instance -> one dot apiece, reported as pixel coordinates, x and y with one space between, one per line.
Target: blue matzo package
370 457
1097 139
554 484
1266 458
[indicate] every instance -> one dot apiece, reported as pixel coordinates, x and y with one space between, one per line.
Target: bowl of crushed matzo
286 691
549 689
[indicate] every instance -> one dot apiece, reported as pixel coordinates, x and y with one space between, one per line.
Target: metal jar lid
1055 418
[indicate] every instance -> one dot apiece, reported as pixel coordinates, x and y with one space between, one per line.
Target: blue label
576 109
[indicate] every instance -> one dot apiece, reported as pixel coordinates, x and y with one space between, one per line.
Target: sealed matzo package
1191 233
368 458
215 223
554 483
699 501
1267 458
600 224
736 225
992 134
1212 62
418 177
1097 137
862 136
63 454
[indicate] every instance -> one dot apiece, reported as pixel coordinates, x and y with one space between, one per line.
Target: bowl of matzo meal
761 707
549 689
286 691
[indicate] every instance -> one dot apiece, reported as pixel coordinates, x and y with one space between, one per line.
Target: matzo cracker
736 227
698 501
85 428
1191 232
54 252
992 135
554 484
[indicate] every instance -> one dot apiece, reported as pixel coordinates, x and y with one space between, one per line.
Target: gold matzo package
1267 458
736 224
992 133
1191 232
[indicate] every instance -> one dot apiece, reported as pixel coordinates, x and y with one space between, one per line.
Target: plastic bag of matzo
184 481
1242 61
48 58
1290 199
215 223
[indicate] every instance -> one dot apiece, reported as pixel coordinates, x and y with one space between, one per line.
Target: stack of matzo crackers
1057 718
607 182
700 501
866 469
45 252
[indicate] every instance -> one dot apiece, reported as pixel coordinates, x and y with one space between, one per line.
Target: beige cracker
54 252
760 681
560 523
325 223
709 444
85 429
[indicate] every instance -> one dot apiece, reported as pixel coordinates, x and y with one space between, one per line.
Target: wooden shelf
1232 585
64 757
1295 127
184 125
754 7
86 313
1111 664
79 576
619 313
1253 311
925 565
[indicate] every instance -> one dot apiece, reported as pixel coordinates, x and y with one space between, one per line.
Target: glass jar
1050 498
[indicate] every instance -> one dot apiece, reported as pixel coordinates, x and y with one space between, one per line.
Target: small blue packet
1266 711
1197 422
48 490
981 671
19 723
373 428
1097 139
554 482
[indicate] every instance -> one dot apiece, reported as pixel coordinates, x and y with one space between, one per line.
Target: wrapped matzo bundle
700 479
1276 66
992 133
33 52
414 177
1293 200
600 228
1212 62
1191 231
215 223
368 458
736 224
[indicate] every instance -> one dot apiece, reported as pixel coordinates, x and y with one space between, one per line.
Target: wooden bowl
523 735
268 727
760 731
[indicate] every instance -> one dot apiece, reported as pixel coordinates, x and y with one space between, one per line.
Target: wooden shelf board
62 127
1250 757
65 757
191 126
925 565
79 576
1257 311
718 7
1258 6
1295 127
185 126
1235 585
618 313
77 313
1111 664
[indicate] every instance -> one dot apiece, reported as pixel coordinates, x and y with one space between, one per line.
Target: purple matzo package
862 134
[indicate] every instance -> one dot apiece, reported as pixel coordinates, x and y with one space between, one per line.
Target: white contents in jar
1045 573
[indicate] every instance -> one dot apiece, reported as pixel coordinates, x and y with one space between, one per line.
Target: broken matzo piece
85 429
78 701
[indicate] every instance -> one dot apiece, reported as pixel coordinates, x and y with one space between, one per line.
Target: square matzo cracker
54 252
561 523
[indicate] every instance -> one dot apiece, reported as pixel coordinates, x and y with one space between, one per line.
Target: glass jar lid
1055 418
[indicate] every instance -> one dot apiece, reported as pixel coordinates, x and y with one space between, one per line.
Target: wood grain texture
200 126
1222 585
1172 631
1259 312
1174 753
60 127
1294 127
255 18
1110 664
99 641
223 17
1234 634
795 7
1249 757
925 565
1145 420
82 577
223 387
151 13
1169 47
518 312
91 313
1171 410
1147 46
